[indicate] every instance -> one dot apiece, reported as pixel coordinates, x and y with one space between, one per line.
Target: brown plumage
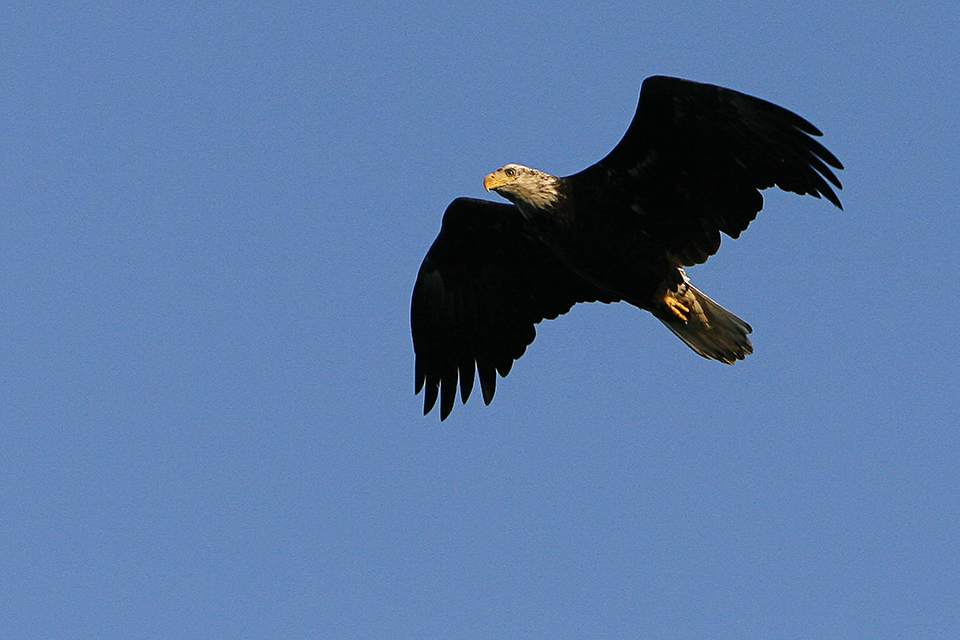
690 166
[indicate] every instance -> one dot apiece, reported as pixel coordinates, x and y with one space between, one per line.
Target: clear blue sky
210 224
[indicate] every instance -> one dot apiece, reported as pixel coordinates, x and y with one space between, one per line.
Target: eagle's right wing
694 159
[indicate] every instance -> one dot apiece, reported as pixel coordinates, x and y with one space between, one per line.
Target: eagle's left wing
484 284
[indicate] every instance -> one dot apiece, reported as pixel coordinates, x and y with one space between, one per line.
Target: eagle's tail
709 329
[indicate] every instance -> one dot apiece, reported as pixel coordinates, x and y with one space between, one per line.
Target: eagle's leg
675 306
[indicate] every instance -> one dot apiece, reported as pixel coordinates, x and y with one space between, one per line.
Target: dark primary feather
693 161
482 287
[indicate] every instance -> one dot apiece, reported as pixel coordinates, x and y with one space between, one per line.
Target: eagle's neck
547 202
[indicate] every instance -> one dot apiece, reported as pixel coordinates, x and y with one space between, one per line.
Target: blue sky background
211 218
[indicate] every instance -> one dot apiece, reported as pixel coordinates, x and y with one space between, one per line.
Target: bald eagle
690 166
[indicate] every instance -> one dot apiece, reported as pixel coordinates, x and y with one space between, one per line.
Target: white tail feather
711 330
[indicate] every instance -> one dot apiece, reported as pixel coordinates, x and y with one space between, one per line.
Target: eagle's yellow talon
678 308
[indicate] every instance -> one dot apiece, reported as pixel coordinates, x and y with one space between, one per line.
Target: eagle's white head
525 187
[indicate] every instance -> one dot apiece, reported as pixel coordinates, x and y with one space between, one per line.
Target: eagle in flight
691 165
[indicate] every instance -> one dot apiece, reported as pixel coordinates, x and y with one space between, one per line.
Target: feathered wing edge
696 157
483 286
673 104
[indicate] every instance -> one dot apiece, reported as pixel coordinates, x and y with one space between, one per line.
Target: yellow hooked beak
494 180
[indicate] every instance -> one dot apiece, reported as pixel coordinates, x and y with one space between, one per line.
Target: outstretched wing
484 284
695 157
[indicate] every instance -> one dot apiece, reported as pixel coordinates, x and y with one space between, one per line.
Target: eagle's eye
510 172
